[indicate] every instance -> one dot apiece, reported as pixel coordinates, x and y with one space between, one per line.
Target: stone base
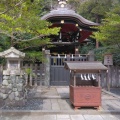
12 90
2 103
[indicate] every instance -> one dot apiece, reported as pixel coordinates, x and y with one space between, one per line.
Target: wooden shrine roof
86 66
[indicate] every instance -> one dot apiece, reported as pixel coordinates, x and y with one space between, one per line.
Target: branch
31 47
4 11
22 40
118 45
17 4
5 33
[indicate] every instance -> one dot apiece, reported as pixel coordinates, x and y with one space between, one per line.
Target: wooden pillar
41 71
35 75
99 81
108 78
31 67
1 73
97 44
74 79
26 75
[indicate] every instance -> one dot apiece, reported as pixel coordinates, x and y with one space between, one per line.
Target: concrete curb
47 112
48 97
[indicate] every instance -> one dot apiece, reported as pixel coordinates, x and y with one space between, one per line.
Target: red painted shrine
74 28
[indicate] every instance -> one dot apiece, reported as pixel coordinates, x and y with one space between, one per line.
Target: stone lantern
12 89
14 60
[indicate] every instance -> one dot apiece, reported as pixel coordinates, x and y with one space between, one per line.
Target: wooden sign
108 59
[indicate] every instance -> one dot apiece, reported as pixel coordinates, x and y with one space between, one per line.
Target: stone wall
13 90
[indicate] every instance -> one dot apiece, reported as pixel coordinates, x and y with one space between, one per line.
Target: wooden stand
85 90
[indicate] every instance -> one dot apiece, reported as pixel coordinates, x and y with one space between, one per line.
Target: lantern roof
12 53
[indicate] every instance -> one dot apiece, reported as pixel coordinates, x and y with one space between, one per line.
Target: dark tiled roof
68 13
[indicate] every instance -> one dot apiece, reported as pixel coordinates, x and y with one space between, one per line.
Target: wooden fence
37 76
113 78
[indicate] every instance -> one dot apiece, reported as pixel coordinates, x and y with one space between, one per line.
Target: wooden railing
60 59
37 75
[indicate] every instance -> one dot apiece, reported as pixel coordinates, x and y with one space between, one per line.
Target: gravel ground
33 104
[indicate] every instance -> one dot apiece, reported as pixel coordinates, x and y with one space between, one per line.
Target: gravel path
33 104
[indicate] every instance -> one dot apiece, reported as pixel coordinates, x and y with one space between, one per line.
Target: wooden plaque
108 59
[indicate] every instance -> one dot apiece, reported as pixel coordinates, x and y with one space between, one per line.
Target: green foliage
116 57
108 32
108 35
21 27
100 52
95 10
28 71
86 48
33 56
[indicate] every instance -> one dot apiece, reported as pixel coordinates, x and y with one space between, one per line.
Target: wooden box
85 96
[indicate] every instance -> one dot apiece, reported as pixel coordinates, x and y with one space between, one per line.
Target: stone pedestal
13 90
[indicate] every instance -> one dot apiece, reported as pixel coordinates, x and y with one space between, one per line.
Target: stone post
91 56
47 67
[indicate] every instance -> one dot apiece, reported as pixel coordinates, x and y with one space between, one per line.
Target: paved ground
55 105
61 117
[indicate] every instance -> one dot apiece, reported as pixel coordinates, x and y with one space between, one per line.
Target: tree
22 28
108 33
95 10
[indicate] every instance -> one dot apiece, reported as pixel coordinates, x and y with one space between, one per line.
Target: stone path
57 99
54 104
